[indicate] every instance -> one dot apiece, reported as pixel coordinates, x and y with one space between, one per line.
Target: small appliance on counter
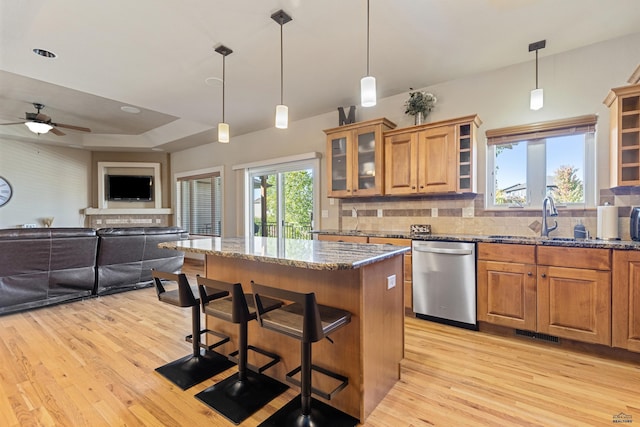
635 224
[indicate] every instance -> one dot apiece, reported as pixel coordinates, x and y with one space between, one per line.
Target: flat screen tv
129 188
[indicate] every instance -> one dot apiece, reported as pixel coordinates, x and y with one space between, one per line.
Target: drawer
524 254
561 256
390 241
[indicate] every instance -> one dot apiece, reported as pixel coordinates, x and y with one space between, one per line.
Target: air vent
538 336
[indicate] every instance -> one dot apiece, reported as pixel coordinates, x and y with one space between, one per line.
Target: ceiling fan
40 123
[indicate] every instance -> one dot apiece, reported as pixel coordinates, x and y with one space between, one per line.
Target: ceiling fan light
282 116
537 99
223 132
38 127
368 91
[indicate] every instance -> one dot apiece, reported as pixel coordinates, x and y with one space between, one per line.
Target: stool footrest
222 339
258 369
344 381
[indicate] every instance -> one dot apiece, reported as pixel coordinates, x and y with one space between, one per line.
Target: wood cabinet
433 158
355 160
559 291
624 109
408 267
507 285
625 329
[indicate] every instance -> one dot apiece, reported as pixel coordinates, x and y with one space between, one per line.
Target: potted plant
419 104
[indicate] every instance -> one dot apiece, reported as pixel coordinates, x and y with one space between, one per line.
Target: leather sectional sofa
44 266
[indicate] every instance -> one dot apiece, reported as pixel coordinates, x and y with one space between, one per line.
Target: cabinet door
626 300
507 294
401 163
437 160
575 303
341 238
339 164
368 162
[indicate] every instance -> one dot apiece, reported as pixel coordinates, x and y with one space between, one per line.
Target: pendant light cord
223 84
536 68
281 65
368 37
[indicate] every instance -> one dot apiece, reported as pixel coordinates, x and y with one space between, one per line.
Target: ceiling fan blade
80 128
57 132
14 123
43 117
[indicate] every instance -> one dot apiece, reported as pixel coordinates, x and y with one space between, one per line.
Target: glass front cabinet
624 107
355 158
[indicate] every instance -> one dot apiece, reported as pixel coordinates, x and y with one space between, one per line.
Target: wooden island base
368 351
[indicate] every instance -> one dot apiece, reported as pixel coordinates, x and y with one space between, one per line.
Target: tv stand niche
128 214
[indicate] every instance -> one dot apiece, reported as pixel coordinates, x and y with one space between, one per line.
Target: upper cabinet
624 107
432 158
355 158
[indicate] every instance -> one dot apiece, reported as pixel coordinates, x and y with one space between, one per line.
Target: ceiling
157 56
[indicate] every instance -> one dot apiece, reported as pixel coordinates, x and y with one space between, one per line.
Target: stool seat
242 394
203 363
289 320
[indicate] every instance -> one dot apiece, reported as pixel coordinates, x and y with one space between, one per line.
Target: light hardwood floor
91 363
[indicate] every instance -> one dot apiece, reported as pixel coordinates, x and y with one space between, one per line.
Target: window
199 202
527 163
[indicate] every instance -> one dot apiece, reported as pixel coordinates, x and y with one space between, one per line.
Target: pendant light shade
536 100
368 82
282 116
38 127
223 128
282 111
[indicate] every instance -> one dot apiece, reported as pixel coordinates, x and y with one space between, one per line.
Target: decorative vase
419 118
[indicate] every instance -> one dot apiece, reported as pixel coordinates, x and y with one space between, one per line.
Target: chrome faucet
548 203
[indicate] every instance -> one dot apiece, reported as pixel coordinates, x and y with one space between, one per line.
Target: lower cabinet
507 285
560 291
626 300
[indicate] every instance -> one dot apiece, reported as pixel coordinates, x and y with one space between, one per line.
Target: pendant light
368 82
223 127
537 97
282 111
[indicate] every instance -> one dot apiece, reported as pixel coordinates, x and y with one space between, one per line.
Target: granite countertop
310 254
522 240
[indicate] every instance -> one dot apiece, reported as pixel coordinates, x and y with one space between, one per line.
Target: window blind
554 128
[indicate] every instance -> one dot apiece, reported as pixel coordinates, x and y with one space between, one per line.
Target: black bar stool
203 363
248 390
307 321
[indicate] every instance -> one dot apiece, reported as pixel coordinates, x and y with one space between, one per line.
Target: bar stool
307 321
248 390
203 363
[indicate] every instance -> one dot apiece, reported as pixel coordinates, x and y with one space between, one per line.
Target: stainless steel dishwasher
444 282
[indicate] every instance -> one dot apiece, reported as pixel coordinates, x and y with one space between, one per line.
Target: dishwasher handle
443 251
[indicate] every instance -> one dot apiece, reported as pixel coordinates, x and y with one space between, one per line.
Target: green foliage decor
420 102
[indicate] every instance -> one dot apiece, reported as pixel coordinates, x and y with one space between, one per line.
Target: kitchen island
359 278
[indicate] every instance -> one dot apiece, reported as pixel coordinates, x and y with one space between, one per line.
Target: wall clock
5 191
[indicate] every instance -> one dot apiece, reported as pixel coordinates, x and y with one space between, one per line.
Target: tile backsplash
465 214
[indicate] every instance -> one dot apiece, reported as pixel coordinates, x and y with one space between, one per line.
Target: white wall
575 83
47 181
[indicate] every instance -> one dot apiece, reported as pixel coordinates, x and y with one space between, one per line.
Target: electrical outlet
325 213
332 201
379 213
391 281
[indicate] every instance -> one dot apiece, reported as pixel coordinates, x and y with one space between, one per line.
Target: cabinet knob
529 274
544 275
422 186
413 187
355 190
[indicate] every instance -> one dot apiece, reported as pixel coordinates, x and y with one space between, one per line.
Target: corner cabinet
626 300
434 158
624 108
355 159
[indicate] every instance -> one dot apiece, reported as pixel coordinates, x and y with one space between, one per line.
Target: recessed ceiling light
213 81
130 109
44 53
